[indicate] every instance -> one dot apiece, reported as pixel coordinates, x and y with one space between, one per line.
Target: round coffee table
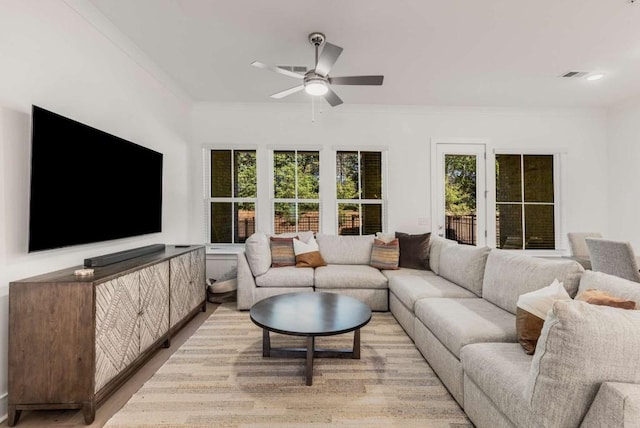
310 314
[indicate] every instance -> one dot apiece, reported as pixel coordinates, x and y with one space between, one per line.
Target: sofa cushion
414 250
349 276
459 322
411 288
617 405
404 272
532 311
599 297
436 244
288 276
580 347
464 265
258 253
508 275
501 371
345 250
616 286
385 255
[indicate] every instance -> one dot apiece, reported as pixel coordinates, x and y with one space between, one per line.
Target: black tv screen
88 185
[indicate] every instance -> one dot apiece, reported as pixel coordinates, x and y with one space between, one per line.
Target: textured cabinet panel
187 284
154 303
117 332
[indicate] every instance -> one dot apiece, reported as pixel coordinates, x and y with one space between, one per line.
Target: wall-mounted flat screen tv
89 186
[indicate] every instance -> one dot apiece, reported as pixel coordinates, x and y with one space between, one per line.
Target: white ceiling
431 52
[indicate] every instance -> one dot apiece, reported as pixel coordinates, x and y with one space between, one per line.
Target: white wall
53 57
624 172
407 132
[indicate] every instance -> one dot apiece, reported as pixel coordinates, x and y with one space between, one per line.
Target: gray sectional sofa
347 272
461 316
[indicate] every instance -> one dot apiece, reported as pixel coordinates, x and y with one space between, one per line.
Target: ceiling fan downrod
317 39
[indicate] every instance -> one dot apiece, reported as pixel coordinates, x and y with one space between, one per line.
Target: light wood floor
74 418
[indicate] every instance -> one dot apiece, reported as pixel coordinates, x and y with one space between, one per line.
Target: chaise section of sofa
585 371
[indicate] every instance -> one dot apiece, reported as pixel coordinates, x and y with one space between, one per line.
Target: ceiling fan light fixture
316 87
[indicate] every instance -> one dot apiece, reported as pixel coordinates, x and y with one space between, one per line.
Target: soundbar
108 259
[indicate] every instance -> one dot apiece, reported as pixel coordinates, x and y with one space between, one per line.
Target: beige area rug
219 378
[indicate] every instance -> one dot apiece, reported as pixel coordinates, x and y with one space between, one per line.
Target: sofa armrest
617 405
246 283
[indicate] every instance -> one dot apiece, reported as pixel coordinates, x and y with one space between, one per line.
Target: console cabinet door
187 284
154 304
117 338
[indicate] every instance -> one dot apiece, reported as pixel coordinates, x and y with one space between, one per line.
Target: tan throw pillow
599 297
307 254
282 252
414 250
531 311
385 255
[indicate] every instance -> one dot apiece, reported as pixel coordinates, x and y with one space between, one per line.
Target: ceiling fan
317 80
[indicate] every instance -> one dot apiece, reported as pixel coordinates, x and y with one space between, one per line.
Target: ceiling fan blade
332 98
356 80
286 92
277 69
328 57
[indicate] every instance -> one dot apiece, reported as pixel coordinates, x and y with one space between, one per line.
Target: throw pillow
581 346
531 312
307 254
599 297
282 252
258 253
414 250
385 255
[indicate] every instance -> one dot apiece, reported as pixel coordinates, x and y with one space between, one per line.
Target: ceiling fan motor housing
315 84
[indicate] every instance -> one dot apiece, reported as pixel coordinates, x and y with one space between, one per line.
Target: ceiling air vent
574 74
295 68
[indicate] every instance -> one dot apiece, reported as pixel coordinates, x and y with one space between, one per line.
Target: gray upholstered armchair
613 257
579 250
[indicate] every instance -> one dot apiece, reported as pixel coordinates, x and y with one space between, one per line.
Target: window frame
383 188
296 200
208 199
559 183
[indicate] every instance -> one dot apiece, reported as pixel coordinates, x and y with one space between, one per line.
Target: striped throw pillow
385 255
282 252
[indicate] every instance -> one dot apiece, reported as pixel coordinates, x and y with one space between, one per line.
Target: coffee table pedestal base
310 352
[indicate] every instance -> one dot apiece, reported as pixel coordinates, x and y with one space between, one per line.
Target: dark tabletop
310 314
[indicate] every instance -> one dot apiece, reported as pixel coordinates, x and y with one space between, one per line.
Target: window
359 192
296 191
526 206
232 198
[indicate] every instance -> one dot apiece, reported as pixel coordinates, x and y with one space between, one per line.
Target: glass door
460 199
